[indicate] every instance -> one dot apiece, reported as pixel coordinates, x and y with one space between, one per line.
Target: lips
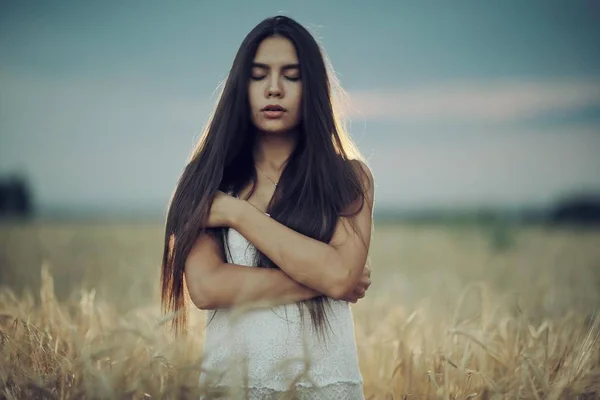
273 107
273 111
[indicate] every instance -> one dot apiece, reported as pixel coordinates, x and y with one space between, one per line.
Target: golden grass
448 316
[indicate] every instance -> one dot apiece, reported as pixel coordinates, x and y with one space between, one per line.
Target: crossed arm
308 267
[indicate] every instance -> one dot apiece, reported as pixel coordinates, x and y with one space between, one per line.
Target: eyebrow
283 68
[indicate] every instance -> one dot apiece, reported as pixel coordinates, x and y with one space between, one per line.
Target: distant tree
15 198
577 210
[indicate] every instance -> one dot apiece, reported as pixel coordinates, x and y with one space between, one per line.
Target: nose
274 89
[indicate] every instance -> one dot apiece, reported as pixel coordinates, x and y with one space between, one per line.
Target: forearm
232 285
306 260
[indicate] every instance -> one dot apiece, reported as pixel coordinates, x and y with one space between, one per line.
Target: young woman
274 207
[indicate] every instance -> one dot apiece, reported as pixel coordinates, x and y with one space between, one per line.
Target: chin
275 131
275 127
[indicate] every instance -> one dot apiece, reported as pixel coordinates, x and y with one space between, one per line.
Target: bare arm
330 268
214 284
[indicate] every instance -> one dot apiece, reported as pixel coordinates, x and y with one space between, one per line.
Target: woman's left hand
361 287
222 210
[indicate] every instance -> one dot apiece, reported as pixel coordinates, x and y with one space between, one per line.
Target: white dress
267 349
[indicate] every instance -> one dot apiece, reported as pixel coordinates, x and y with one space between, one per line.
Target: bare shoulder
356 218
367 181
366 175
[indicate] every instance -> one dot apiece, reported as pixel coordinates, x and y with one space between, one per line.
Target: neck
273 150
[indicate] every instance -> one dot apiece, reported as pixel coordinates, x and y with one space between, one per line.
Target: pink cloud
495 101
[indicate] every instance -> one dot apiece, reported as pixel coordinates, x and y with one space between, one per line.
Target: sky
454 104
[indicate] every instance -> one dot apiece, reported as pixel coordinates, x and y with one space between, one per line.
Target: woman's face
275 89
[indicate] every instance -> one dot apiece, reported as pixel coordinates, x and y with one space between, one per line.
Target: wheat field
454 312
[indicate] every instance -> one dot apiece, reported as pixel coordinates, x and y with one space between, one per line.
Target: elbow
206 306
340 283
339 289
337 293
202 296
202 301
200 281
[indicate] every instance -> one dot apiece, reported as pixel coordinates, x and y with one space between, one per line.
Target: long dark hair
320 181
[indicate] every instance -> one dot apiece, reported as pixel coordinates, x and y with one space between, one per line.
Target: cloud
517 166
488 101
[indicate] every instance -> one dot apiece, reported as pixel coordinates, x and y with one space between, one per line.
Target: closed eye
289 78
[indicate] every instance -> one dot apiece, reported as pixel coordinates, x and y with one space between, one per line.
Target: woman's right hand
361 287
222 210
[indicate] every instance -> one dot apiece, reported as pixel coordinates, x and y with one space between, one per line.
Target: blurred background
471 110
457 106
